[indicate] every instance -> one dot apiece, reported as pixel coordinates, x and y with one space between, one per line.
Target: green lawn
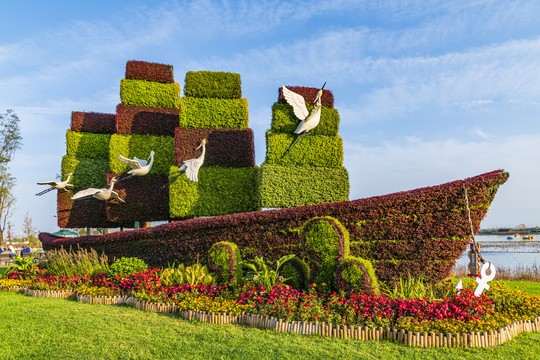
3 269
529 286
43 328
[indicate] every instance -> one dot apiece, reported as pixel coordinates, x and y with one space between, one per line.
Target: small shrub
196 274
327 243
224 259
296 271
356 275
127 266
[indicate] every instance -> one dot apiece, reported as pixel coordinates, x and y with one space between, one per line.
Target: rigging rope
476 249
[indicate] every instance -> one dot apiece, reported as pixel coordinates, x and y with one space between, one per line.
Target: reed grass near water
518 272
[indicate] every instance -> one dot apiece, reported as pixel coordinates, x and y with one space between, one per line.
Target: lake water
506 253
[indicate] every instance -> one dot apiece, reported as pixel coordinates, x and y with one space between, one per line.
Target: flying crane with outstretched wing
308 119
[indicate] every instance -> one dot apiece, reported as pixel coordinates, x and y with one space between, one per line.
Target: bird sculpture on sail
308 119
191 167
138 167
58 185
100 194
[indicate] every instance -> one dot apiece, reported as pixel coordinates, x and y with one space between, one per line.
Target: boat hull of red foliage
419 232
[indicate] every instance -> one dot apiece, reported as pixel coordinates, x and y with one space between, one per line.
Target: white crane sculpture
100 194
59 185
191 167
138 167
308 119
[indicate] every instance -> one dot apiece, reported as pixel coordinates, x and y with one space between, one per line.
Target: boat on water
528 237
419 232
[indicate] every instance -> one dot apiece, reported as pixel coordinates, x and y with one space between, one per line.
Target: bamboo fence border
408 338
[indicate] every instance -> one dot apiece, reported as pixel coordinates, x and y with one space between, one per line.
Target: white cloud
415 163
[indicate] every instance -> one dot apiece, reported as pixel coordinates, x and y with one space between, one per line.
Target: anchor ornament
483 279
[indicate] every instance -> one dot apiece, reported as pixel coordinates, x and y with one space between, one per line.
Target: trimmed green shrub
219 191
87 173
149 93
284 120
356 275
323 151
224 259
327 242
296 271
288 186
204 113
140 146
127 266
87 145
213 84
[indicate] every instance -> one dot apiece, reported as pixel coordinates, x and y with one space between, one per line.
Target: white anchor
484 278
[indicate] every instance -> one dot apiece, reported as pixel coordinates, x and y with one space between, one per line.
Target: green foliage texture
354 275
287 186
87 173
193 275
87 145
296 271
219 191
213 84
139 146
149 93
284 120
126 266
228 268
223 113
319 151
323 238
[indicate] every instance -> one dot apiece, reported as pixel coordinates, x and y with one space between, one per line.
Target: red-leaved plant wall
420 231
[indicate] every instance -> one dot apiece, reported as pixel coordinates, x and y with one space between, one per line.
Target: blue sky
427 91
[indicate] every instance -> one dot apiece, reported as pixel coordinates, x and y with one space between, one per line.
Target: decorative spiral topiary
224 259
327 243
355 275
296 271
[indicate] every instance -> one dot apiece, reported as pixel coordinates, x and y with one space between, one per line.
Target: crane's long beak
323 85
202 142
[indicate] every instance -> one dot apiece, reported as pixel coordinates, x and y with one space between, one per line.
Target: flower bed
458 320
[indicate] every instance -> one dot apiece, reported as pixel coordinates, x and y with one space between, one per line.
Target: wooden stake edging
408 338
